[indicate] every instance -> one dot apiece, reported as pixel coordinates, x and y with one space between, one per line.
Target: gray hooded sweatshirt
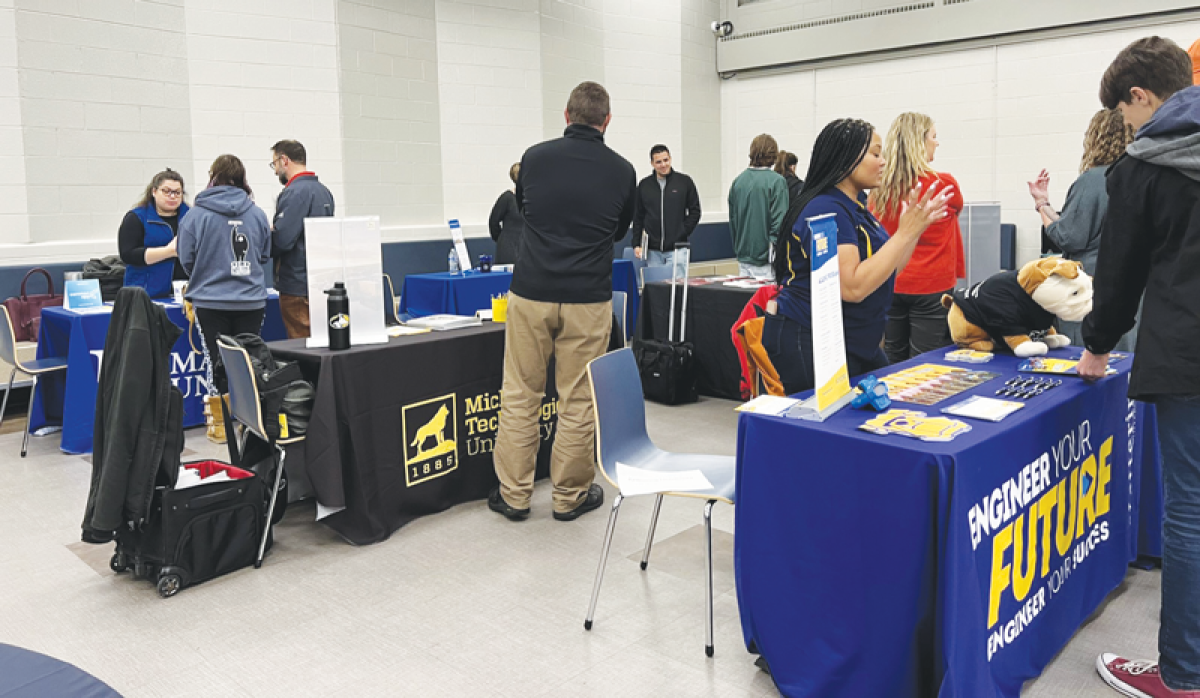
224 241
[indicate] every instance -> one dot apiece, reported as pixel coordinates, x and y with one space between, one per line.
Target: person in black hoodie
1150 242
785 165
139 415
668 210
577 196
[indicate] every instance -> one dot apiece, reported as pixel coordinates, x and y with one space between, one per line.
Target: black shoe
593 500
497 504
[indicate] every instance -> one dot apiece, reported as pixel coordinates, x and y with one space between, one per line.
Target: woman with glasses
146 239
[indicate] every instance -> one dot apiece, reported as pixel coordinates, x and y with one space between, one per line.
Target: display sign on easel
349 250
829 344
81 294
460 246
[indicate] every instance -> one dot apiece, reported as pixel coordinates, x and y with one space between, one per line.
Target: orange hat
1194 52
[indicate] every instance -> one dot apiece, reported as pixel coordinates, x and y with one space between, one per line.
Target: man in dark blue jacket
577 197
1150 242
302 197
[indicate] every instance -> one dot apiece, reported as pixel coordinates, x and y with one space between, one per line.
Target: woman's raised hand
1039 188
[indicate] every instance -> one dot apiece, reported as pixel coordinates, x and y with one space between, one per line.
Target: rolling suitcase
196 533
668 368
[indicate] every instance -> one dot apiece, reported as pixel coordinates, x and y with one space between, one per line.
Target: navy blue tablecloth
466 293
875 565
26 673
68 398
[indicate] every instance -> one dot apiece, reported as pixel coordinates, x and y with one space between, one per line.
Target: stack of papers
980 407
444 322
402 331
769 404
634 481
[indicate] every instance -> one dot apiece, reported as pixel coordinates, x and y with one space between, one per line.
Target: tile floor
463 603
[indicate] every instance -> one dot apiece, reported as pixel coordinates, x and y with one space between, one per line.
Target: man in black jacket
577 197
1150 242
668 209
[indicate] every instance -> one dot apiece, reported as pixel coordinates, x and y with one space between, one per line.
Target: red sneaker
1136 679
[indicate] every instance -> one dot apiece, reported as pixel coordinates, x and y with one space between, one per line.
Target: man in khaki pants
577 196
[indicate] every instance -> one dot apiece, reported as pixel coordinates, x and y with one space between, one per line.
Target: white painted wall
14 211
415 109
103 99
490 89
1002 112
389 96
259 71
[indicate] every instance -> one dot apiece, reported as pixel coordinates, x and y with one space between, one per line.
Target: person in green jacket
758 201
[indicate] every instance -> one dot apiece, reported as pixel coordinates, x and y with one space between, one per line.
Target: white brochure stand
348 250
460 247
829 344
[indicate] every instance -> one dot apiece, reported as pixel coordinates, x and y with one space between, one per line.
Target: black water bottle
339 317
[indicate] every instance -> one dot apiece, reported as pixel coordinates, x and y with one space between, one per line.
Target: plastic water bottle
453 261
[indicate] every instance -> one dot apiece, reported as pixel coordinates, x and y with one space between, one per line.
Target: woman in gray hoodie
223 248
1076 229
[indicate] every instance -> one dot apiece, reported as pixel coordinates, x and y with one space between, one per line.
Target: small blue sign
83 293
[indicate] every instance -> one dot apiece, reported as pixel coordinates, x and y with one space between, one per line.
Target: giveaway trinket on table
874 395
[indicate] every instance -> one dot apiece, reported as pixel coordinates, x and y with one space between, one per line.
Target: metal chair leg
28 416
650 536
708 595
262 546
612 524
4 406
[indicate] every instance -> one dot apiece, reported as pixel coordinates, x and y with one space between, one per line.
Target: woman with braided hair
847 161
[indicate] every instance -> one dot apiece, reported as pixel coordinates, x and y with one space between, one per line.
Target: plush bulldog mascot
1011 305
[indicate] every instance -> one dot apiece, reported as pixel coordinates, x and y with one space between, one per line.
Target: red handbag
26 310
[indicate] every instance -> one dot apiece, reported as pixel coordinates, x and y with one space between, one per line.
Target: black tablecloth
381 411
711 312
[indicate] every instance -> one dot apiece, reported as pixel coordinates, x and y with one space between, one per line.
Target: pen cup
500 308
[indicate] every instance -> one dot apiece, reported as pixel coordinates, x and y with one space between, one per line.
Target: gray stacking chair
620 414
33 369
246 409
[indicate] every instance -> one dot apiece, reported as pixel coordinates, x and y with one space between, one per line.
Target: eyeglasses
275 160
171 193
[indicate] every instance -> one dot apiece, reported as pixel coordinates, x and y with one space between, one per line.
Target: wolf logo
430 433
434 427
241 247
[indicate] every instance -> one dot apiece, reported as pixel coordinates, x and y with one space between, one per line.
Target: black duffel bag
109 271
668 370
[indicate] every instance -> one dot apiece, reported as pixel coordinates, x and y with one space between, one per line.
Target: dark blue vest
155 278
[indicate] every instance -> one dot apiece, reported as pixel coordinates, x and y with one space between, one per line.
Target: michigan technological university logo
430 439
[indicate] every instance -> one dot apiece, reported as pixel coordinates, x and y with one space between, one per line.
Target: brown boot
214 419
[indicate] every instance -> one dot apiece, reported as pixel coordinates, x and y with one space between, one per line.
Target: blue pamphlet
83 293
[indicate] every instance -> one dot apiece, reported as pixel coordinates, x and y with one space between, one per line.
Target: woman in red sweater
917 321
